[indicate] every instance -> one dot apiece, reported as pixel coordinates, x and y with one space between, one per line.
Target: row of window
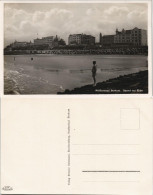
133 39
128 36
127 41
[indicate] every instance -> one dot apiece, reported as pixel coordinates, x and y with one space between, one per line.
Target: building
136 37
125 38
51 41
81 39
108 40
44 41
88 40
18 44
74 39
100 38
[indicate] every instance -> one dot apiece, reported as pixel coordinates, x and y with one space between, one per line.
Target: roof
108 35
128 31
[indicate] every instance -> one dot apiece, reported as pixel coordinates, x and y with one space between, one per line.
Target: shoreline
135 83
10 87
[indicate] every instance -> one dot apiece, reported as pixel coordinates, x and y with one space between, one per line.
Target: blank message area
34 146
106 146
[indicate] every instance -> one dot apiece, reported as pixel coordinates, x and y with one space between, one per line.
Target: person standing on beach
94 71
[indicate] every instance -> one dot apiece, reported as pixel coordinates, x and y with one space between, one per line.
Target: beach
52 74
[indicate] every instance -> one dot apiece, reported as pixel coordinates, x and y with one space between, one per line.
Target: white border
78 96
1 49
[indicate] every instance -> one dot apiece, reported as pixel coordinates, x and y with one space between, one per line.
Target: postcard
77 47
76 146
76 106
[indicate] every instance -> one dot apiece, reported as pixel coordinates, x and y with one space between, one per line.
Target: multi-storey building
17 44
136 36
125 38
74 39
81 39
87 40
44 41
108 40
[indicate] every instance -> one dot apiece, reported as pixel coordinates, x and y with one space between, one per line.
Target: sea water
49 74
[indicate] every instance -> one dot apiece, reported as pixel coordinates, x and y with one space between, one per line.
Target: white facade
137 37
44 41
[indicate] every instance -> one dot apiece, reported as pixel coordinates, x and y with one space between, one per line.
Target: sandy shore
136 83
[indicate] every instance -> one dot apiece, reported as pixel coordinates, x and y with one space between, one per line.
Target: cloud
38 16
113 10
24 21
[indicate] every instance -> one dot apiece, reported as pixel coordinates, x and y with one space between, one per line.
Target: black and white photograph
76 48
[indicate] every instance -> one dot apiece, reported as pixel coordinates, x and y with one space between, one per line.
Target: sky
27 21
